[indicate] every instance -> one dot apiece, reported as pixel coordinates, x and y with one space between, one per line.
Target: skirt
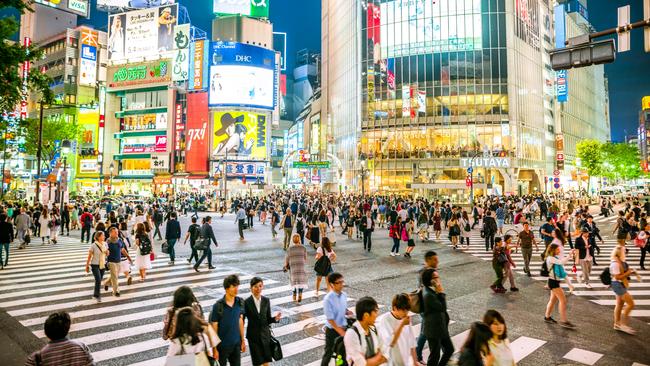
125 266
142 261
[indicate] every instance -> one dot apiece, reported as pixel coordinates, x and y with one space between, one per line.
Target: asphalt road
126 330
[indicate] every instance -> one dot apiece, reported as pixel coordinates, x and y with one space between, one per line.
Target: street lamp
111 168
363 171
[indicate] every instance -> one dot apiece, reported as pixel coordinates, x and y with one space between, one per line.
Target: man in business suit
257 311
367 226
206 233
435 320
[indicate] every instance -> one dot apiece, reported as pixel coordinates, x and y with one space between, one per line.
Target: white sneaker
392 254
397 254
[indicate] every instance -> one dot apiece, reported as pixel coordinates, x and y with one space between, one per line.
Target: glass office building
418 91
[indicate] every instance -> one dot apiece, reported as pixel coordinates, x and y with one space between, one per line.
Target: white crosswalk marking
599 293
128 329
583 356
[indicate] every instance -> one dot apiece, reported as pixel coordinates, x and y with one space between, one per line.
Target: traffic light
592 53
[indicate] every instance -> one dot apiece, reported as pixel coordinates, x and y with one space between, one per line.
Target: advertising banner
88 57
161 143
78 7
252 8
245 169
181 68
406 100
199 65
143 32
149 121
88 166
527 22
151 72
422 102
645 102
123 5
427 27
88 123
242 75
160 163
562 85
196 157
240 134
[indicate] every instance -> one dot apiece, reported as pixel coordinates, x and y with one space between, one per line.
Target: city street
127 330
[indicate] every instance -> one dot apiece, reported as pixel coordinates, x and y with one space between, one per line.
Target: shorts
553 283
500 223
411 243
618 288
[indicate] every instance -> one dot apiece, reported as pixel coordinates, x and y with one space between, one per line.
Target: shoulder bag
276 348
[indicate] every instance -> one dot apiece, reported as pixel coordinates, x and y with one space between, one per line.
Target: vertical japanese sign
197 133
27 42
198 73
88 57
561 78
181 66
178 126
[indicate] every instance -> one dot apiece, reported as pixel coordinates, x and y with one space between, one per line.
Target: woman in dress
44 223
294 262
454 231
74 218
465 229
499 343
437 224
314 232
142 261
325 250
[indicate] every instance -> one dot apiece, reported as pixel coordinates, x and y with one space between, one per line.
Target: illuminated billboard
251 8
239 134
141 33
88 57
242 75
78 7
196 146
123 5
411 27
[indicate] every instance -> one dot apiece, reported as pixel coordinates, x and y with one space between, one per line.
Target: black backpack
338 353
194 232
300 226
544 270
145 244
606 277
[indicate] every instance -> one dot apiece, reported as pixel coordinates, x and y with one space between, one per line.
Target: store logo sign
243 58
77 5
485 162
196 134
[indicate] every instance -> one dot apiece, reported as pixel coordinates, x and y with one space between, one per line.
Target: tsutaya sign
485 162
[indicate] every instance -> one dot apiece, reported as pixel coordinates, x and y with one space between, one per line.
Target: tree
55 128
12 57
591 158
621 161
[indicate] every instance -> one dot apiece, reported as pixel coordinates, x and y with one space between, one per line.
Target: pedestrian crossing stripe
139 311
599 294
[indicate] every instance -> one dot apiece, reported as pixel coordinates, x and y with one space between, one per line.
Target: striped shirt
65 352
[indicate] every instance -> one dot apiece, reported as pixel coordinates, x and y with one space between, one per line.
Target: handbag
322 265
276 349
190 359
165 247
202 243
152 256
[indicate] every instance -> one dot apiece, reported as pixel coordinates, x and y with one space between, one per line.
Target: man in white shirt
363 346
396 334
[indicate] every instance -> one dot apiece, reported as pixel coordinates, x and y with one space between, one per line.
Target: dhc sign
485 162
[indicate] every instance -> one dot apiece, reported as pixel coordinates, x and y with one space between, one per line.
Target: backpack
606 277
145 245
544 270
88 220
467 227
194 232
415 299
339 353
300 226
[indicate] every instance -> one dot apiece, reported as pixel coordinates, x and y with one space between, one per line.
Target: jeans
229 355
172 253
367 239
4 246
527 253
435 344
273 232
65 224
250 221
157 231
207 253
330 337
644 250
240 226
395 248
85 230
421 341
98 274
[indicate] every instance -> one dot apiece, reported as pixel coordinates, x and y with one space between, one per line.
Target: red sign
468 181
161 144
196 140
374 22
560 157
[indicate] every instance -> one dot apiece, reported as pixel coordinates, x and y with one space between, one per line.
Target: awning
197 177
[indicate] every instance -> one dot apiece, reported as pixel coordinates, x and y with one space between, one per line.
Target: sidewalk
16 341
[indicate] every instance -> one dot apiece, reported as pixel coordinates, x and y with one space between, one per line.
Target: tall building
422 92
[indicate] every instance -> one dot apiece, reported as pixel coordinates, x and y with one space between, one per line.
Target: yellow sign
645 102
239 134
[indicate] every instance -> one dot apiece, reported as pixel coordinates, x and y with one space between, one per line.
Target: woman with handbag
325 256
44 223
257 312
192 341
294 262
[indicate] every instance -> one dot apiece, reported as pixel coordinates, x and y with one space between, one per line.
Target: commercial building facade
421 92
